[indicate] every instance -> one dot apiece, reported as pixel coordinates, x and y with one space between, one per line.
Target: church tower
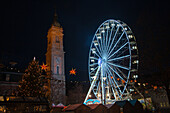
55 62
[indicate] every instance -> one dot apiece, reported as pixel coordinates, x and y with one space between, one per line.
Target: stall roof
133 102
93 106
121 103
72 107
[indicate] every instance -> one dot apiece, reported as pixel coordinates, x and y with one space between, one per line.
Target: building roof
60 105
55 20
108 105
93 106
72 107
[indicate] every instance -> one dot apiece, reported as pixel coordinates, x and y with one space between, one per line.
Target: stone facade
55 62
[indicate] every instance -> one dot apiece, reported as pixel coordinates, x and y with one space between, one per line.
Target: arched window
57 39
57 69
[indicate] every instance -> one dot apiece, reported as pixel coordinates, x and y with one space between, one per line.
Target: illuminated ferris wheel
113 62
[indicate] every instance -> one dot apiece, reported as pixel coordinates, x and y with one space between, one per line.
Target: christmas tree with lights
32 81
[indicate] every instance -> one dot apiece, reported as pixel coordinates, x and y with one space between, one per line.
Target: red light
73 72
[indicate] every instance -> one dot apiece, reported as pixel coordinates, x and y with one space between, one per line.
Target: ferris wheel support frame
92 85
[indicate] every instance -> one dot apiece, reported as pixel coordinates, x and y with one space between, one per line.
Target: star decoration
44 67
73 72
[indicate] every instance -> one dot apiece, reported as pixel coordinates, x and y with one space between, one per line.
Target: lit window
167 104
1 98
161 104
164 104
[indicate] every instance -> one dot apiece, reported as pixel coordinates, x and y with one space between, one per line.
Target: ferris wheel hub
99 61
102 61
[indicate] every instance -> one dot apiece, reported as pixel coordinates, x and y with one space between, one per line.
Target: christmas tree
32 82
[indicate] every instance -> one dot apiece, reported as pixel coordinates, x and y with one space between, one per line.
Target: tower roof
55 20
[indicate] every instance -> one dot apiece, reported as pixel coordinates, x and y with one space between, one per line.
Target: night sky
24 25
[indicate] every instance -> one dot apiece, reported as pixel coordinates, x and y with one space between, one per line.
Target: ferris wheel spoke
102 31
122 57
117 73
116 43
118 50
94 58
111 85
106 39
97 49
116 65
109 80
122 52
110 75
93 69
98 44
113 39
113 82
93 64
109 38
96 54
96 85
121 72
101 40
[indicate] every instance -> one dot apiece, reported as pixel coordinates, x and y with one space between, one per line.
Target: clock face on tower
58 60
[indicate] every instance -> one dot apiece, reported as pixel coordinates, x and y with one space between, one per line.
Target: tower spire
55 20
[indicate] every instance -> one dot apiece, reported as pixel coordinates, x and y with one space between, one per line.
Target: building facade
55 62
9 80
